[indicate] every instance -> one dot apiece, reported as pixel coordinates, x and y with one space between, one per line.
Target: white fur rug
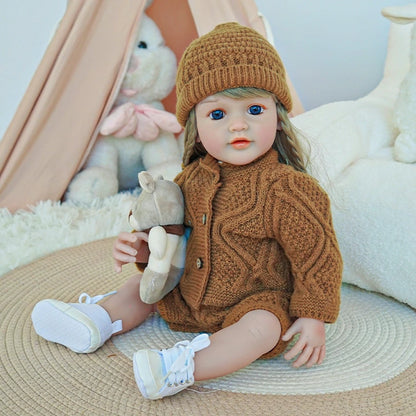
51 226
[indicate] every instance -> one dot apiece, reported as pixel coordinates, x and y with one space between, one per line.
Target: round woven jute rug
370 367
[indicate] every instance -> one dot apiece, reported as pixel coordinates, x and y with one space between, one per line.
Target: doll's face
236 130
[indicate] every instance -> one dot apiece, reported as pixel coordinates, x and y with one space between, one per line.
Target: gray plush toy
160 212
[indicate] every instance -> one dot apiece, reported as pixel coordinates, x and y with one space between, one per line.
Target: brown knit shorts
180 317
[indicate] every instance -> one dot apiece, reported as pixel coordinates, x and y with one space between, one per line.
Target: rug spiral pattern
41 378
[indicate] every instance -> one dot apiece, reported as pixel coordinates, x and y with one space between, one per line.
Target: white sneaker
161 373
82 327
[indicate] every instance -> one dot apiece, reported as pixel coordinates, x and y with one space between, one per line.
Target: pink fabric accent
139 120
129 92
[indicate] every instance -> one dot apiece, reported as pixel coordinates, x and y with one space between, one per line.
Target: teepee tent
74 87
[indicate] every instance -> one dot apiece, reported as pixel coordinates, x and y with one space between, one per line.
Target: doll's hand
310 345
130 248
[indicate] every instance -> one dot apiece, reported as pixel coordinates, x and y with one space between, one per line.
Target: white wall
26 26
333 49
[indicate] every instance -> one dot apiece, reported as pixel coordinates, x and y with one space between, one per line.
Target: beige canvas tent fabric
56 123
73 89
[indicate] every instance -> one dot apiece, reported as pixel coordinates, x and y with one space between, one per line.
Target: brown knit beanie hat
229 56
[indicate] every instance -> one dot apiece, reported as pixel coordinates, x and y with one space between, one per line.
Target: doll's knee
263 326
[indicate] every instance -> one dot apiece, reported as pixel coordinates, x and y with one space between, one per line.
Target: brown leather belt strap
175 229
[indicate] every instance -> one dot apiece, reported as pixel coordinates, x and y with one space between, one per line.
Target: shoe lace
182 369
85 298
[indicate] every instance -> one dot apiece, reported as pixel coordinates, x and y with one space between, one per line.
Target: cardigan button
204 219
199 263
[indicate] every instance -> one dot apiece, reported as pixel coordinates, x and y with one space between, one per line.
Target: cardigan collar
218 168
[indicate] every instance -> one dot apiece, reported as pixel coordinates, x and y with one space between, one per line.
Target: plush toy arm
121 122
158 242
161 273
150 121
142 121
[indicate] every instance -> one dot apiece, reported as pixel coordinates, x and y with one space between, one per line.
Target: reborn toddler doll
262 259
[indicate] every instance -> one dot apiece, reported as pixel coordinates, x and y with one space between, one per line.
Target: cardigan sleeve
303 227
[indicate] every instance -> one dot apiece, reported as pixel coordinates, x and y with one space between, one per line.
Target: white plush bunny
138 134
405 109
160 212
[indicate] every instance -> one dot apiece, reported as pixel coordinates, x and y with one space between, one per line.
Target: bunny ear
147 182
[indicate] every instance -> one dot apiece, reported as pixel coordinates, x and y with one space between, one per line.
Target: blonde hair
286 142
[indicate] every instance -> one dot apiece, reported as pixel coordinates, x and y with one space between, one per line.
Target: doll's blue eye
142 45
216 114
255 109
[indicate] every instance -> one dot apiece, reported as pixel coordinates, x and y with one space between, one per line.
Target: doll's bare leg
161 373
238 345
126 305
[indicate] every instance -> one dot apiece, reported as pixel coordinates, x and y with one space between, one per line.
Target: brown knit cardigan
257 227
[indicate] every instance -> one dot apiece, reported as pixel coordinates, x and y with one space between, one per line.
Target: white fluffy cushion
373 196
341 133
374 213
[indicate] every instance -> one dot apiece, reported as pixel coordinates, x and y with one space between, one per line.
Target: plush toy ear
147 182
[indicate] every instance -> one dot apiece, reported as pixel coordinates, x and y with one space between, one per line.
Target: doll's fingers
303 357
124 249
295 350
117 266
128 237
313 359
124 257
293 330
322 355
140 235
142 242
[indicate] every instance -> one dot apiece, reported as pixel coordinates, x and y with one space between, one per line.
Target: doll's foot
81 327
151 286
161 373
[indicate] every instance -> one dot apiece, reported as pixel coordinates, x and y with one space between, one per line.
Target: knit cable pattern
269 229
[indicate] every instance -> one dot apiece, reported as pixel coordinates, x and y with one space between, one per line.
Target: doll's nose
238 124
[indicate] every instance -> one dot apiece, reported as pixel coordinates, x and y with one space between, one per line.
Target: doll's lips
240 143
